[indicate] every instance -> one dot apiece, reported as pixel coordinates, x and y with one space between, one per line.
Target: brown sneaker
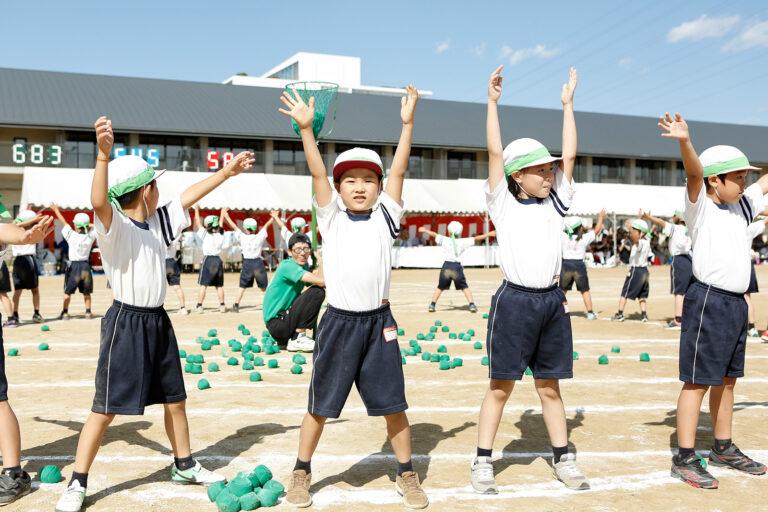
408 487
298 491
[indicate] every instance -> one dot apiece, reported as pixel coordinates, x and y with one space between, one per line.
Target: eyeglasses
301 250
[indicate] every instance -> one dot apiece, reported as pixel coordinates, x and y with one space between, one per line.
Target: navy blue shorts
3 380
681 274
78 277
452 271
752 288
5 278
211 272
574 271
173 271
24 273
636 284
529 327
138 361
360 348
253 269
713 337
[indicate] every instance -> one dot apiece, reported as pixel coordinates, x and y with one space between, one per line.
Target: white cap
640 225
522 153
250 224
82 219
724 159
211 219
298 223
357 157
25 215
124 168
455 228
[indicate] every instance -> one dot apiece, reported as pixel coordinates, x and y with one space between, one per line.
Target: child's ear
336 186
517 176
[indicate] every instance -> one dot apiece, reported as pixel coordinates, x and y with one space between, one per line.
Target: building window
461 165
649 172
288 73
608 170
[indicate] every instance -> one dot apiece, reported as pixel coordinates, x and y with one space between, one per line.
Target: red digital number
213 159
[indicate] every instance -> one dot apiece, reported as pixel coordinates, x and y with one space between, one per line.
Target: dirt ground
621 416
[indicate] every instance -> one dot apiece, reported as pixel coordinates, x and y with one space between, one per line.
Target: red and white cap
357 157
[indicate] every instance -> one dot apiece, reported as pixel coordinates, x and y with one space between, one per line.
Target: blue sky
707 59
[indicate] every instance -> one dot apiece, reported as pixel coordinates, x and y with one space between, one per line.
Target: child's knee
548 389
176 407
101 419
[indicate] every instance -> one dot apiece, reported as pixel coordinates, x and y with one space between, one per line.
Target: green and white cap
126 174
640 225
455 228
297 223
24 215
250 224
724 159
82 220
572 224
211 220
357 157
522 153
679 213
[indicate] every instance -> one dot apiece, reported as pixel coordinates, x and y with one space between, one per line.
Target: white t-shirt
530 232
357 252
212 242
720 238
453 253
173 249
575 249
286 234
641 251
251 244
754 230
133 253
679 241
24 250
79 243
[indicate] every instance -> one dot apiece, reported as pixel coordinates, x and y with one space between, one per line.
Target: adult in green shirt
288 312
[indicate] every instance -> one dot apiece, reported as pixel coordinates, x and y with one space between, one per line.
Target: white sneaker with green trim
195 475
72 500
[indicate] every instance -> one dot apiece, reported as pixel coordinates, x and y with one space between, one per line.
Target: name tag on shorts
566 309
390 334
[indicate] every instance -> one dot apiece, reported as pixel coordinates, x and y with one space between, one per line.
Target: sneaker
235 308
693 471
183 311
37 318
64 316
568 472
753 333
764 336
472 308
644 319
591 316
481 476
673 324
88 315
733 458
12 489
431 308
408 486
11 323
618 317
222 308
72 500
297 493
302 343
198 309
196 475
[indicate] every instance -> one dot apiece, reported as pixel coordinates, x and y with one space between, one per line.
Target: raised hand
104 135
274 214
408 104
675 128
299 111
568 89
241 162
494 85
423 229
39 231
602 213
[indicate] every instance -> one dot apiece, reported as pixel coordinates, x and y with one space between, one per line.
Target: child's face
635 235
359 188
536 181
732 187
300 253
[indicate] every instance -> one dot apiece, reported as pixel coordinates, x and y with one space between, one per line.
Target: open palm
675 128
299 111
568 89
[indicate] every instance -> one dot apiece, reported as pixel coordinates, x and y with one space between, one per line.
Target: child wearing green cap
576 240
138 362
754 230
78 274
718 209
211 234
636 284
14 483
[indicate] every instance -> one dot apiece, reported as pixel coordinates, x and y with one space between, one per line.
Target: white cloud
479 49
702 27
754 36
625 63
442 45
539 51
505 52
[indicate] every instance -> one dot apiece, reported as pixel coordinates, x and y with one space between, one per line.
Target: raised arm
599 226
226 218
276 217
15 234
423 229
480 238
269 223
403 152
99 188
569 125
304 115
198 224
241 162
647 216
677 128
58 214
493 131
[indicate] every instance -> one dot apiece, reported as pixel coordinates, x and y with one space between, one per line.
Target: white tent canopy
71 189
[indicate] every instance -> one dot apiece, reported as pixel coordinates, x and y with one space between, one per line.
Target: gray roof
73 101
